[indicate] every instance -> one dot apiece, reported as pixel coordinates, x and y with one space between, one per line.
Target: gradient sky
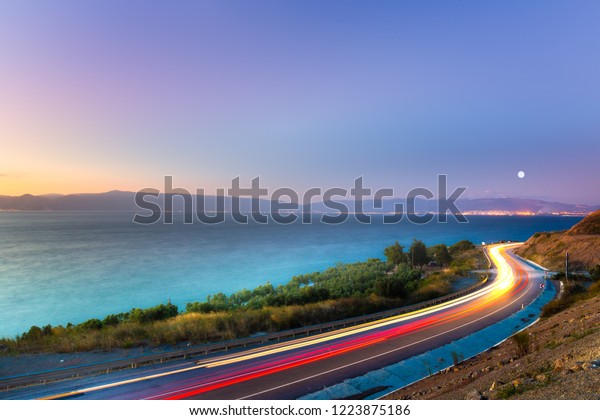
103 95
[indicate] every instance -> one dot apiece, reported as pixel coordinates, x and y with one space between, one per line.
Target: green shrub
460 247
339 292
91 324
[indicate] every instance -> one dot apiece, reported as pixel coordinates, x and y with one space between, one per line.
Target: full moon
521 174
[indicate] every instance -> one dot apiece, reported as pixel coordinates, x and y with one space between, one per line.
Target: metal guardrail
31 379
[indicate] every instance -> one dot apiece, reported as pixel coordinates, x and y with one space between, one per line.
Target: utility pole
567 266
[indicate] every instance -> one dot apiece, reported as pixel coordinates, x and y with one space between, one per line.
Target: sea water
60 267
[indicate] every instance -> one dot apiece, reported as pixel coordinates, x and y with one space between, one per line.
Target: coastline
108 274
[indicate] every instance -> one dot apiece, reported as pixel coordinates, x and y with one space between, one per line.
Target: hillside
582 242
590 225
125 201
561 361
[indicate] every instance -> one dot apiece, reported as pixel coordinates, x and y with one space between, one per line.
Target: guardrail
37 378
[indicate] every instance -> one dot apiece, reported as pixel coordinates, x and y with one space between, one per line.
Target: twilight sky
103 95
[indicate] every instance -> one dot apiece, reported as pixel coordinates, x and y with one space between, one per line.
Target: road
295 368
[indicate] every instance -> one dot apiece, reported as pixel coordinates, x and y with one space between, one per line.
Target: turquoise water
67 267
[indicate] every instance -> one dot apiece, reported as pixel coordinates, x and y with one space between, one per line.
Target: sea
61 267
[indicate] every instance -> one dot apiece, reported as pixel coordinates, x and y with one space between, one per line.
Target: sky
104 95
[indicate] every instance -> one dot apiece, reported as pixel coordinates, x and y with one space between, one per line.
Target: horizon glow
106 95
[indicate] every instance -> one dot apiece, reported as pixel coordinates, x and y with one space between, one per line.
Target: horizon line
504 197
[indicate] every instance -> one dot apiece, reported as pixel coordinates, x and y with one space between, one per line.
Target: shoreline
19 365
117 278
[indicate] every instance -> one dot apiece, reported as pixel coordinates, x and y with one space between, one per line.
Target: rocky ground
582 242
561 361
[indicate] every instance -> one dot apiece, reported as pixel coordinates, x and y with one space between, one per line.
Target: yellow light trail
504 280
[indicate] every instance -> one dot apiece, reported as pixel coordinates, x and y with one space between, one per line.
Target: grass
577 335
195 328
552 344
573 293
457 358
163 325
506 392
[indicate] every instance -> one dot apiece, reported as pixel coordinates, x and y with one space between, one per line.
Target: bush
460 247
34 333
554 307
523 341
111 320
155 313
595 273
390 287
572 292
91 324
508 391
339 292
594 289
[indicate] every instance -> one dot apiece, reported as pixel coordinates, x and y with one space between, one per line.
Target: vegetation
395 254
509 391
590 225
339 292
461 246
418 254
595 273
522 341
572 293
440 255
582 242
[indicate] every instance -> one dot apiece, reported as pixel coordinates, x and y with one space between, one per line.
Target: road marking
382 354
514 271
500 284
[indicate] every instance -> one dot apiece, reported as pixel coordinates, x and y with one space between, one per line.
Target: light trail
510 282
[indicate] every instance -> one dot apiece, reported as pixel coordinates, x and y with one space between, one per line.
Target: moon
521 174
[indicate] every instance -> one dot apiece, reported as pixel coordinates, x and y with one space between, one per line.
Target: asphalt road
294 368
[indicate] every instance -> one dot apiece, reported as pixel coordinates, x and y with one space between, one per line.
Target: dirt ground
562 362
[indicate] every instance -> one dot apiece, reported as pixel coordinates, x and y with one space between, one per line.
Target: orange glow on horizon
18 185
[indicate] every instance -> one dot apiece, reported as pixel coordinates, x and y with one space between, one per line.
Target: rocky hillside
559 359
582 242
590 225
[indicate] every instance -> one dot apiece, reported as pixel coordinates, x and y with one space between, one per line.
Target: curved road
298 367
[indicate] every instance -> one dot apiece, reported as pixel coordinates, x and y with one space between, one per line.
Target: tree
440 255
111 319
461 247
418 254
34 333
395 254
155 313
91 324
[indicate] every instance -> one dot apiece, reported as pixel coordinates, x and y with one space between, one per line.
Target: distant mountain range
125 201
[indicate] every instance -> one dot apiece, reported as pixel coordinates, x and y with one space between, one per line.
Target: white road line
389 351
304 342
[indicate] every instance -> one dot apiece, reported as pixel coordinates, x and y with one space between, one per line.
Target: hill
561 360
582 242
588 226
125 201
